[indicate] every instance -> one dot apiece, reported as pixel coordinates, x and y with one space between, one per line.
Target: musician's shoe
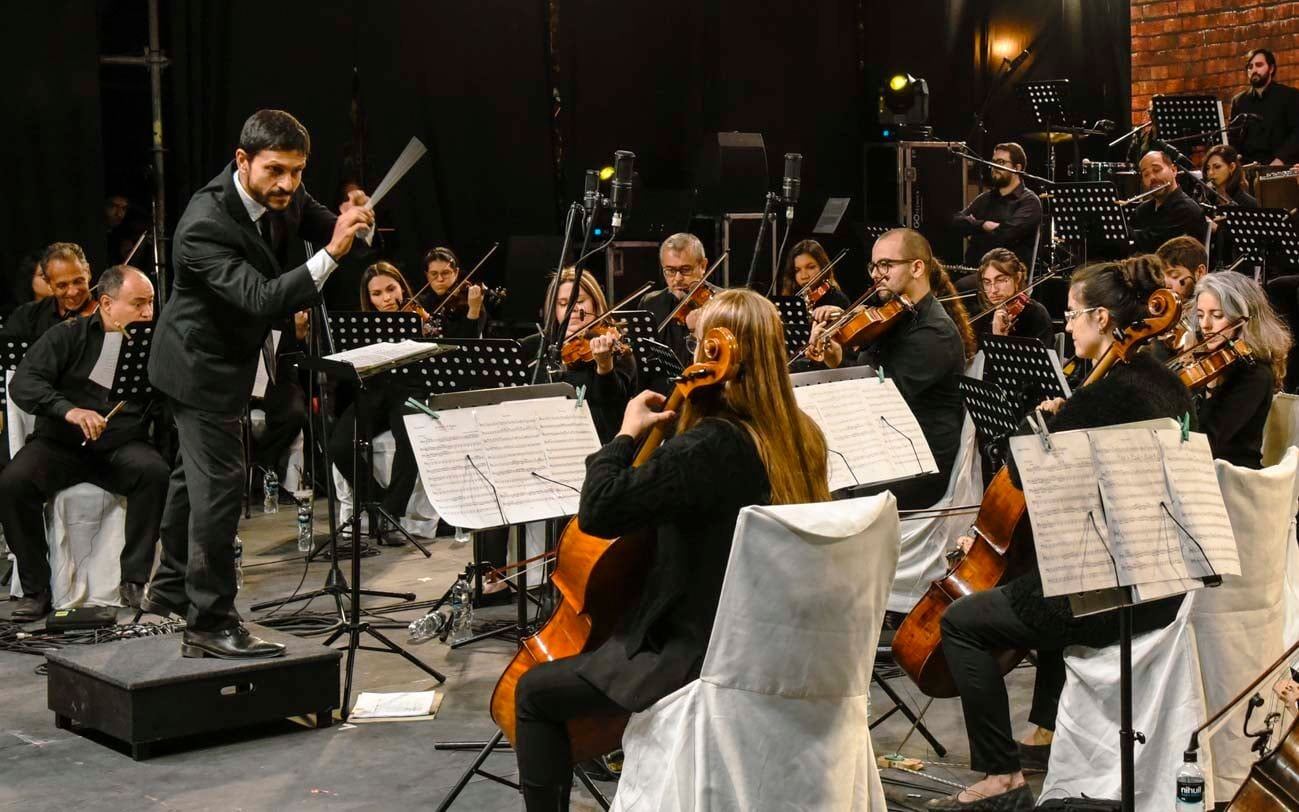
550 798
234 643
131 593
31 608
1034 757
1019 798
155 605
388 535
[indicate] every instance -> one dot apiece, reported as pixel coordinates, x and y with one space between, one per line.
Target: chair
924 542
1240 626
1167 702
778 716
420 519
85 527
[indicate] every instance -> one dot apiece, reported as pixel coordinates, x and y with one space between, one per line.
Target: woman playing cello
743 443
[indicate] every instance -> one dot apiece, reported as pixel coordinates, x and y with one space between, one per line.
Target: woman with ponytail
924 355
1017 616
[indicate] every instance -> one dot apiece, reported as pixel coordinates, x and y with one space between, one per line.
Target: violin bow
608 314
464 279
686 299
816 280
1026 289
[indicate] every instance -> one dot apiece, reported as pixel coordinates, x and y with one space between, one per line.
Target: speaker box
1277 193
920 185
733 174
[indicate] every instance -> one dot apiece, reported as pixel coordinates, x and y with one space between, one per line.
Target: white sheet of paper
106 365
514 462
262 380
909 452
394 705
1198 505
380 353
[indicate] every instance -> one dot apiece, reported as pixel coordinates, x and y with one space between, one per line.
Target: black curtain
54 168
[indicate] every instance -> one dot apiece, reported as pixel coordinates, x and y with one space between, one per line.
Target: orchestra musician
684 263
1271 134
806 260
1183 262
284 403
1006 216
749 445
1222 171
465 315
29 282
1169 212
384 290
609 378
925 356
230 285
76 441
1001 276
1016 615
1233 407
67 275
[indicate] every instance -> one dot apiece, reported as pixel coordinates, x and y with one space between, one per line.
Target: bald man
1169 212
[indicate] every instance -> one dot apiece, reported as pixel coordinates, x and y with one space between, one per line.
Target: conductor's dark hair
274 130
1263 52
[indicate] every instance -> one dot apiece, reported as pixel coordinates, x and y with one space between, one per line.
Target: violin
861 325
577 349
1203 369
1003 538
820 284
597 580
698 296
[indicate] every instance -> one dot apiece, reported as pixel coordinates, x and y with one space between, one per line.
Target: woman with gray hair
1233 407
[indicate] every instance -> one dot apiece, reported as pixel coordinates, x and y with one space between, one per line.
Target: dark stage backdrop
515 98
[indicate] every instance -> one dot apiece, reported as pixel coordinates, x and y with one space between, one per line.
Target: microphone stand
767 214
549 330
966 155
1129 134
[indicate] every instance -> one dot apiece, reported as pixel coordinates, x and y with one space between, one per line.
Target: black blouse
1233 412
689 493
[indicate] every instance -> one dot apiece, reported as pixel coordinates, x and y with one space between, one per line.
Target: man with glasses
1006 216
684 263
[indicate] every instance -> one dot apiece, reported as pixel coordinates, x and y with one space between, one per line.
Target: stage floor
364 766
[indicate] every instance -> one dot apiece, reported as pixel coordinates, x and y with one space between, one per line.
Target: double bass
598 579
1003 538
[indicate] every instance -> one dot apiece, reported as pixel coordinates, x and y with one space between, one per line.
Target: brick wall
1199 46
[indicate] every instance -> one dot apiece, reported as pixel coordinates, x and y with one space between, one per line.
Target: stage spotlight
606 172
904 101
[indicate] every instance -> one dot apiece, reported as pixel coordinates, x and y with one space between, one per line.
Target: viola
577 349
597 580
820 284
1003 538
861 325
1202 370
698 296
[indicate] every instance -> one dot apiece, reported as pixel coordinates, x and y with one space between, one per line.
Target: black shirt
30 321
1152 225
688 496
606 395
454 318
1033 322
54 378
1277 135
660 303
925 358
1233 413
1019 215
1243 198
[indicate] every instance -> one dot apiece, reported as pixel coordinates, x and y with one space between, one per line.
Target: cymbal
1056 138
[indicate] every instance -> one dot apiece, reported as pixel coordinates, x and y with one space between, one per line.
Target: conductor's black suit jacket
228 289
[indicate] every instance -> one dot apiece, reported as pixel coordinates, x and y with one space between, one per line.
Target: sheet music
376 355
1064 507
106 366
1198 505
908 450
529 454
263 379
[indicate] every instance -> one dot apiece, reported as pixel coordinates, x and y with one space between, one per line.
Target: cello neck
655 437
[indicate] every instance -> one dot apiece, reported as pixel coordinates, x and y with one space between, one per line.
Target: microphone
624 163
792 183
1105 125
1012 65
591 191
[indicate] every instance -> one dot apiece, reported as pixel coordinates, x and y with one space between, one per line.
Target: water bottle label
1189 792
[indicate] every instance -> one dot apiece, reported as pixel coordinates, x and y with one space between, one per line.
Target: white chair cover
85 527
1240 626
1281 429
922 557
1167 702
778 718
420 520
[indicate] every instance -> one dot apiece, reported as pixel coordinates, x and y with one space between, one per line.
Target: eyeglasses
680 270
883 265
996 281
1007 164
1070 315
442 274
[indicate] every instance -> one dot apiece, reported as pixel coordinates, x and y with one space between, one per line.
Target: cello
1003 538
597 580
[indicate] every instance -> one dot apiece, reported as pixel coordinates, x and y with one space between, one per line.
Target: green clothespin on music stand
412 403
879 372
1185 422
581 396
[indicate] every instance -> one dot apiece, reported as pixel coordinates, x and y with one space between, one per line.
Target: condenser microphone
590 191
792 183
624 164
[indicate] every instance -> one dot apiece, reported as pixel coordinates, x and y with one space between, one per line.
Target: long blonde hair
586 284
761 399
1265 334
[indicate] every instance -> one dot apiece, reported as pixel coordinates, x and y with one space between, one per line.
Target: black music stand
797 321
1088 214
362 460
655 361
1049 103
357 329
477 363
1266 236
12 351
131 379
995 414
1178 117
1023 364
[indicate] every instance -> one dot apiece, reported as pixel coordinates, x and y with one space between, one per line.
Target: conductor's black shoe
1017 799
31 607
234 643
155 605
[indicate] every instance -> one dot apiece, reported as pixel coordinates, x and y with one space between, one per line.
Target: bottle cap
1190 756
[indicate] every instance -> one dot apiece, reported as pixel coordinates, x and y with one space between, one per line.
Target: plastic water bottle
434 624
239 563
462 536
304 527
1190 785
462 608
271 486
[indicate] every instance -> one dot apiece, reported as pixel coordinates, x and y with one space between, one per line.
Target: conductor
230 285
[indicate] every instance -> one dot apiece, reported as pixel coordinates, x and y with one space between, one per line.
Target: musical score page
908 451
528 460
106 365
1198 505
